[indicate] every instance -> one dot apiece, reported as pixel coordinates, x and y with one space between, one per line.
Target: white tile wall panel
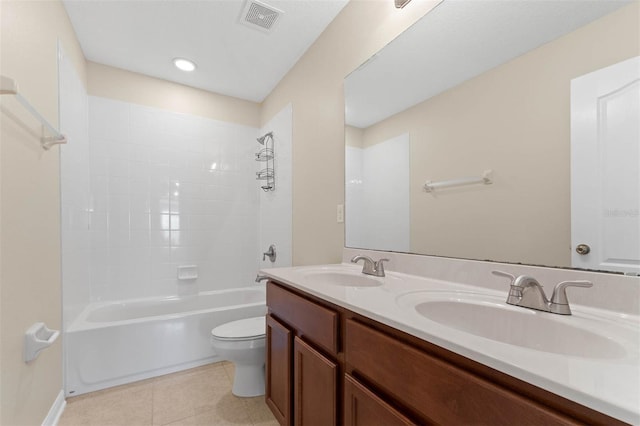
150 189
376 198
174 190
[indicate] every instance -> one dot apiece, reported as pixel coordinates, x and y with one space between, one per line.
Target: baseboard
53 416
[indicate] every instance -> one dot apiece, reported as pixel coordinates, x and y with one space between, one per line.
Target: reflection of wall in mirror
377 192
514 119
354 226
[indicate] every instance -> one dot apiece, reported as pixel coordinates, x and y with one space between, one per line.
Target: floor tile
188 394
123 405
259 413
229 411
230 368
199 396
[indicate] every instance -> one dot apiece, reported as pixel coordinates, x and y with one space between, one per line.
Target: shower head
261 139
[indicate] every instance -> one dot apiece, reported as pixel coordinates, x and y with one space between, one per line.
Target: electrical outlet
340 215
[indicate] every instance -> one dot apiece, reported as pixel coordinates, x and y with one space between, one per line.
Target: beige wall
514 119
315 88
115 83
30 288
354 136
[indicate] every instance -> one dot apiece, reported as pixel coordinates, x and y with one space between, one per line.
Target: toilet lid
243 329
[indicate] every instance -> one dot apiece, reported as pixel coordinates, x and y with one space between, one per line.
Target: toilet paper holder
37 338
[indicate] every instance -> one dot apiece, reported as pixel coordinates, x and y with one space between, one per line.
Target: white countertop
611 386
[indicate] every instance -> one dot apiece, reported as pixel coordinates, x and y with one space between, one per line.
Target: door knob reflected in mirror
583 249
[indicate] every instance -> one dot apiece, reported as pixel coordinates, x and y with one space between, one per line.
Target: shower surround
169 189
144 191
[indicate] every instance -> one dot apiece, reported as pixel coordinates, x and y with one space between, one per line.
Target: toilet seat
244 329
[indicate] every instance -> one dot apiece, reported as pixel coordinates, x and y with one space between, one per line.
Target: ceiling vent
260 16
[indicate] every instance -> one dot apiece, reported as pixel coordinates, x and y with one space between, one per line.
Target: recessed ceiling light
184 64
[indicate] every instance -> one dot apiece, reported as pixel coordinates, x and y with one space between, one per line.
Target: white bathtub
112 343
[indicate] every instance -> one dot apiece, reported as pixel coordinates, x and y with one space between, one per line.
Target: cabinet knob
582 249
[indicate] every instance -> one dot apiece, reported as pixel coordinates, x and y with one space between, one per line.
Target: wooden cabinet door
278 370
362 407
315 386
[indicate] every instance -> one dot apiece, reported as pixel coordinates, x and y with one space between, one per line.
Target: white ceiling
145 35
456 41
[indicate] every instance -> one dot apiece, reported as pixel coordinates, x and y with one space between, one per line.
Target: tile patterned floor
200 396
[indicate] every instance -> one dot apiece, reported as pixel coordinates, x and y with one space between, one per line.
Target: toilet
242 342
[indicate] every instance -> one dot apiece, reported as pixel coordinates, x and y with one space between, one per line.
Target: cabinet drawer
434 388
316 323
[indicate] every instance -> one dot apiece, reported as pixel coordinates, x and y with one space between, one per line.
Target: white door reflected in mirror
605 168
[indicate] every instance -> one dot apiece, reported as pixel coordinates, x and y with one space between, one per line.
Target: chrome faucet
261 278
527 292
371 267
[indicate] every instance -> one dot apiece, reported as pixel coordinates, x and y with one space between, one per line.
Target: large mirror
501 130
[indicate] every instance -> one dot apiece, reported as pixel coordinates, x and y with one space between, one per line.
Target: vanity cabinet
339 367
301 365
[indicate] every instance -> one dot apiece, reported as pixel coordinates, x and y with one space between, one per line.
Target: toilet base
248 380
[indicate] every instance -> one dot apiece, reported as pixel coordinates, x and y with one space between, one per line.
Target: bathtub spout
261 277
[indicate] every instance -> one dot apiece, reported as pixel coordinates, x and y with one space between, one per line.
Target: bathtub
112 343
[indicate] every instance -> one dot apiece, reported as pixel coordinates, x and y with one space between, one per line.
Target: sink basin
489 317
342 278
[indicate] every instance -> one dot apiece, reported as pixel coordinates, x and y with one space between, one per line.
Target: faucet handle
504 274
271 253
559 295
515 292
379 266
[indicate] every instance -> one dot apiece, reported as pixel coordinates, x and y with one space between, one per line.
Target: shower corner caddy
267 156
9 86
